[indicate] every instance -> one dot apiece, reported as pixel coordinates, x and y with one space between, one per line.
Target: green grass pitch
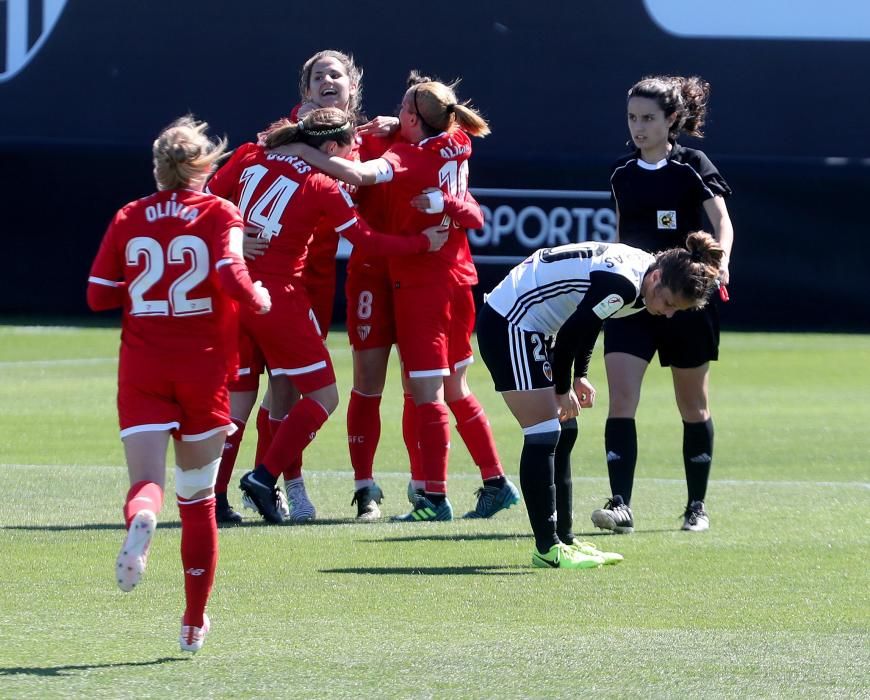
771 602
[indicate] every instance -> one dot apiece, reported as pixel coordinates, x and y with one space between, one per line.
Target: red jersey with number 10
440 161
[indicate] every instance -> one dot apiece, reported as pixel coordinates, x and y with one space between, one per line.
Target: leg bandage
191 481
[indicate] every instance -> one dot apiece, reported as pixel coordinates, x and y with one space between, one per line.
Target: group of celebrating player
397 188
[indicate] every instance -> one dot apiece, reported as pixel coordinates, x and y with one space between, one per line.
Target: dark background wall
787 126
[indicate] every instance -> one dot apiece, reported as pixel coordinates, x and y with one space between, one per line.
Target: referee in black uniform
662 191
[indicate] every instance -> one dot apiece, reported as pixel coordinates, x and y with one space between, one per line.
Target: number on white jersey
182 250
267 211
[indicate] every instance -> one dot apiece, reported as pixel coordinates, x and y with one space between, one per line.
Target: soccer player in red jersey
327 79
433 309
172 261
284 198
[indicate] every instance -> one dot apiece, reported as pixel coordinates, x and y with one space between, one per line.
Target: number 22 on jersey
182 250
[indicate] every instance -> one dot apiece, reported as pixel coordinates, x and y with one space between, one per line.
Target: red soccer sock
293 470
228 457
363 433
143 495
476 432
296 432
199 555
412 438
434 426
264 435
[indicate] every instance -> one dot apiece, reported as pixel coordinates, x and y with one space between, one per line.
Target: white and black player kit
547 313
659 204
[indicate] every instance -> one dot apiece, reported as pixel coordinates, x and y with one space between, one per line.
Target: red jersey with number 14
286 198
440 161
165 249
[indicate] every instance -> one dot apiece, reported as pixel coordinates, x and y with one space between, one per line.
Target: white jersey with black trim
544 290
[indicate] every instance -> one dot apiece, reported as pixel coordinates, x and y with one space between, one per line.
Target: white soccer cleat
130 565
192 638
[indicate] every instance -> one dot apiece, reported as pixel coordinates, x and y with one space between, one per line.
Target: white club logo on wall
28 25
548 371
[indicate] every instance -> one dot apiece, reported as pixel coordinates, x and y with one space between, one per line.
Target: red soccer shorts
157 393
369 295
290 341
321 297
251 365
462 319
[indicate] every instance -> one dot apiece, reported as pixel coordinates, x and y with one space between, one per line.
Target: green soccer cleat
592 550
424 510
561 556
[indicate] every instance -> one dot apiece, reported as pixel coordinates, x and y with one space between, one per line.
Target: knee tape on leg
546 433
191 481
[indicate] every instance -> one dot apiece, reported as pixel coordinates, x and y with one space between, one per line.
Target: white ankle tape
191 481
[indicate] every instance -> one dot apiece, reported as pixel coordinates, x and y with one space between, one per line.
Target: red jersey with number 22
166 248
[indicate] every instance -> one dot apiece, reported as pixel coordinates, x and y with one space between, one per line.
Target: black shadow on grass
161 525
431 571
67 670
447 538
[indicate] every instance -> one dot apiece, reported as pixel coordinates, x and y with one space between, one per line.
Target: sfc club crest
28 24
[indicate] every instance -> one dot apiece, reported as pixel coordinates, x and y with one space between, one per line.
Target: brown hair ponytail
691 272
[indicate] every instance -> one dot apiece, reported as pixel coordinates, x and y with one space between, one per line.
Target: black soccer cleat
263 498
367 500
224 514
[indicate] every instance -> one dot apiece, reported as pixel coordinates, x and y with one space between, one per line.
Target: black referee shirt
660 204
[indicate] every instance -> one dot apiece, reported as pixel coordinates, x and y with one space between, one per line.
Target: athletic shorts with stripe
518 360
289 338
155 393
433 328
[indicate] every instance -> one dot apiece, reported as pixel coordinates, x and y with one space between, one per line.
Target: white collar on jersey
652 166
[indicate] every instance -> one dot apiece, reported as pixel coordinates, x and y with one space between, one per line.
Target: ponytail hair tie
451 108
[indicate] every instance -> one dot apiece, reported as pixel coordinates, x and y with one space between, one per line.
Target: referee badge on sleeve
666 219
